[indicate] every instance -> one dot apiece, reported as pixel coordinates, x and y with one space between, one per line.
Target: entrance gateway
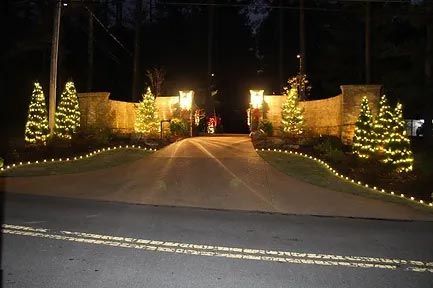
334 116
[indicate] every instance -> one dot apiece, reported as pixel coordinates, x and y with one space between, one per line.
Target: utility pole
53 71
90 53
367 43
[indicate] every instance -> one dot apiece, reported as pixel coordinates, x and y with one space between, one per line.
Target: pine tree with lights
67 117
397 147
147 121
382 127
362 141
292 118
37 130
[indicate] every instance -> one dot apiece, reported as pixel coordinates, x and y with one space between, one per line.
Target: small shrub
92 137
54 141
328 144
335 155
179 127
258 135
266 127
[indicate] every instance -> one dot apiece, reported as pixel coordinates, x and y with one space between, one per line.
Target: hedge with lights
147 121
397 147
362 142
68 113
37 131
292 118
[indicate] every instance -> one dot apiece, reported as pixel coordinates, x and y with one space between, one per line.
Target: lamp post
300 63
301 88
185 102
256 102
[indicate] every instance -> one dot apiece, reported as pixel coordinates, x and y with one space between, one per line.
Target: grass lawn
99 161
312 172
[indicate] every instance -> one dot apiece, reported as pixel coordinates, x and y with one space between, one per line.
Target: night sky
245 43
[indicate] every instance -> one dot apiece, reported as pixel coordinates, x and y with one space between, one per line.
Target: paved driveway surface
210 172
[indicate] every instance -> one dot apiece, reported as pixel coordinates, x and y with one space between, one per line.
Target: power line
108 32
270 6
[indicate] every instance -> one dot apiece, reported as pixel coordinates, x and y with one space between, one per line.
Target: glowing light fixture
256 98
185 99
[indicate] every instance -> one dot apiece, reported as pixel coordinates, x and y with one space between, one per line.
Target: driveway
210 172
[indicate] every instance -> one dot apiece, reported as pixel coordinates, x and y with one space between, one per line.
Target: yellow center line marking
222 251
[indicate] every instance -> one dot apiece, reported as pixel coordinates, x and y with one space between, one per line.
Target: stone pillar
351 103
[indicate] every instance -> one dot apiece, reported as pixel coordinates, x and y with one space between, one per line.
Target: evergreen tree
37 129
397 147
362 141
292 118
147 121
382 127
68 113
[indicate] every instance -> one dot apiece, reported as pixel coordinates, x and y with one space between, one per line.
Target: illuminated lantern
257 98
185 99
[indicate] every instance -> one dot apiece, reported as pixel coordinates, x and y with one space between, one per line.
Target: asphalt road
210 172
60 242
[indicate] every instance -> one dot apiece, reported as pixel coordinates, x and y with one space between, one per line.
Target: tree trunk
135 71
90 54
119 12
280 47
428 115
209 56
367 43
302 68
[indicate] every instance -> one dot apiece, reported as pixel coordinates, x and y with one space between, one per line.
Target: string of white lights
75 158
346 178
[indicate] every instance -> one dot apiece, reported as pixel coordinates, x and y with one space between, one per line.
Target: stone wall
352 96
334 116
97 110
166 106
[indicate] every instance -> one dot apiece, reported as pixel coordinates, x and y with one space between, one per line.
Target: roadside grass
100 161
312 172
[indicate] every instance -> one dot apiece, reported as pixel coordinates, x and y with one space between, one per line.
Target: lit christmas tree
147 121
37 129
292 118
397 147
362 141
382 127
68 113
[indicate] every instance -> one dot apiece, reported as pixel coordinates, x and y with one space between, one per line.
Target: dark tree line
343 41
